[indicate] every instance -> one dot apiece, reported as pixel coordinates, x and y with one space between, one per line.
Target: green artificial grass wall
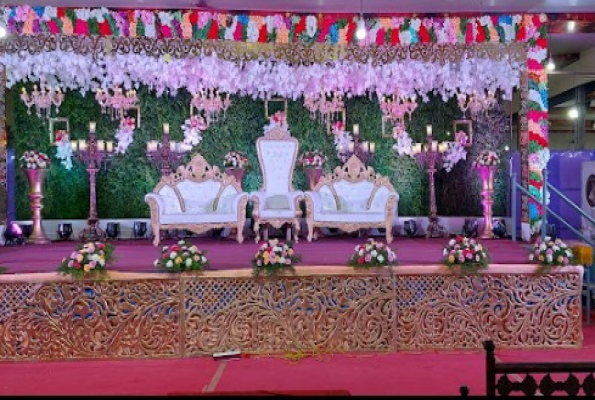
122 187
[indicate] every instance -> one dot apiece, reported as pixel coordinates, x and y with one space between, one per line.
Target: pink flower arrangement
372 254
466 255
180 257
312 159
338 126
487 158
32 159
275 257
279 118
550 253
235 159
89 258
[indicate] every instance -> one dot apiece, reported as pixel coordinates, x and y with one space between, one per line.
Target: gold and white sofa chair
197 197
277 203
352 197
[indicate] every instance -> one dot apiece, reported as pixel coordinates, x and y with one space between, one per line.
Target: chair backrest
194 183
354 180
277 154
531 378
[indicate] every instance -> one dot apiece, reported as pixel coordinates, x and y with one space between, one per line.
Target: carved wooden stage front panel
335 313
513 310
186 316
116 319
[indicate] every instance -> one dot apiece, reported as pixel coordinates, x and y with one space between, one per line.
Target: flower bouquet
372 254
312 159
125 134
64 149
32 159
181 257
235 159
274 257
466 255
277 120
550 253
192 128
90 258
487 158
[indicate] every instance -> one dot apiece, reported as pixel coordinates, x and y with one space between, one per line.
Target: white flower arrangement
277 120
125 134
404 141
466 255
312 159
192 129
487 158
372 254
32 159
235 159
274 257
342 138
180 257
550 253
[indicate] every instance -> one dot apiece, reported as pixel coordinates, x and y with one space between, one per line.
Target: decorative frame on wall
274 100
385 120
329 124
53 122
467 126
137 118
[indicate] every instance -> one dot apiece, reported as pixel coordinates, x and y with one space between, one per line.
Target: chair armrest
316 199
380 200
259 200
156 199
237 201
294 199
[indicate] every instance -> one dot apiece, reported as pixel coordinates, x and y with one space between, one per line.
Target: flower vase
487 175
313 175
237 173
36 178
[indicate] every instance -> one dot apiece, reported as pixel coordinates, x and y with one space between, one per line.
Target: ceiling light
573 113
571 25
506 148
550 64
360 33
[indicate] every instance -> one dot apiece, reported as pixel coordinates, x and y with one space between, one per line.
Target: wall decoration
463 132
275 100
58 122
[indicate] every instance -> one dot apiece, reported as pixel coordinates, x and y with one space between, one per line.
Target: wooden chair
535 378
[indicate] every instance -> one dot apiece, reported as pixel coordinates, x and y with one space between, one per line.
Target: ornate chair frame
277 134
197 170
354 170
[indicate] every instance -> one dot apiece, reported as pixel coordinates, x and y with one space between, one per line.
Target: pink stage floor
225 254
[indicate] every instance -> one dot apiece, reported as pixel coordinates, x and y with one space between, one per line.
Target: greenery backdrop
122 187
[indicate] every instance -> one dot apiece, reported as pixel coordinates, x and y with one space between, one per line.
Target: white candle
166 128
109 146
172 145
101 145
366 147
74 145
429 130
82 144
152 145
92 127
442 147
356 129
372 147
351 147
434 145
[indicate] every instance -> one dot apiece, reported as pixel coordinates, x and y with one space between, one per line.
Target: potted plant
372 254
89 259
35 166
235 164
312 162
550 253
181 257
275 257
465 256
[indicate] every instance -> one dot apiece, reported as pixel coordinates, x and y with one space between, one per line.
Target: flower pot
36 178
487 175
237 173
313 175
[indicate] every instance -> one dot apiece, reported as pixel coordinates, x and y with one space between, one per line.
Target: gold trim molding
292 53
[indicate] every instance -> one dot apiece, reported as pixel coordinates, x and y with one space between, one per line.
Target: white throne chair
277 203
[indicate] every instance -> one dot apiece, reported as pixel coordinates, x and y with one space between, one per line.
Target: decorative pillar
3 145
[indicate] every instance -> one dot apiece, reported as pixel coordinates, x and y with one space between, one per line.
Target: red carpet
376 374
138 255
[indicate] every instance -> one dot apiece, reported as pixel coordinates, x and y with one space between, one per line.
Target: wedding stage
416 306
